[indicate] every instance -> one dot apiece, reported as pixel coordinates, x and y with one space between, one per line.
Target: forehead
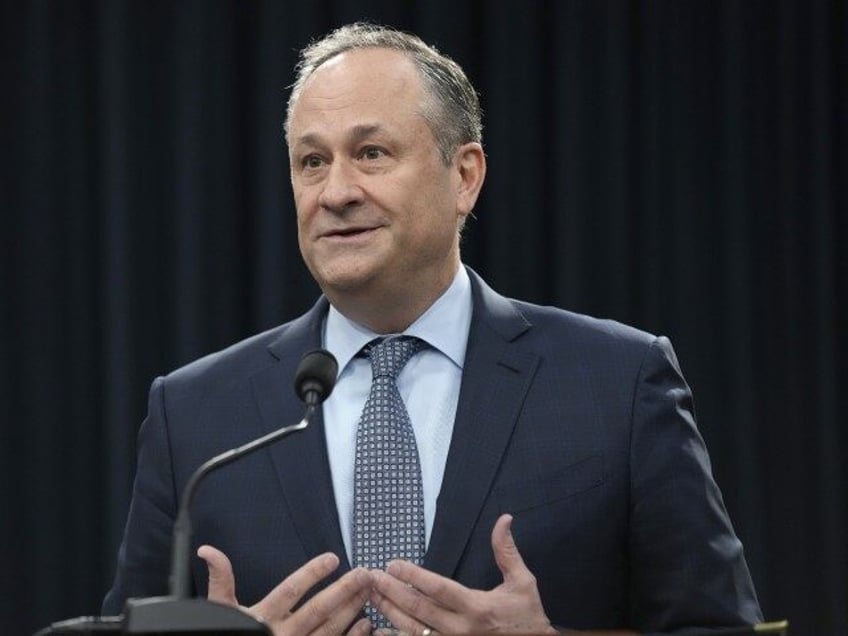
378 85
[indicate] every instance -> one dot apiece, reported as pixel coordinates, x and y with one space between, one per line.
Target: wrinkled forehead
371 85
381 72
371 69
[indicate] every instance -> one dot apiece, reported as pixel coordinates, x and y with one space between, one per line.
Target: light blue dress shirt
429 385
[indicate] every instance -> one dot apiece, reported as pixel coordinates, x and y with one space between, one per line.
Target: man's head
452 107
381 190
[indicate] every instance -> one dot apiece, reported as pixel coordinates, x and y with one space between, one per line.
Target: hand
328 612
415 599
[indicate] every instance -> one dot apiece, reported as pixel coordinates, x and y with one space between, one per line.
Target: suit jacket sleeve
686 563
143 559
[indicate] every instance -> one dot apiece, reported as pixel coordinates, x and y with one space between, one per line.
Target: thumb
506 552
222 583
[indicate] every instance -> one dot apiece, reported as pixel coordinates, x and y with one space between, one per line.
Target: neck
390 311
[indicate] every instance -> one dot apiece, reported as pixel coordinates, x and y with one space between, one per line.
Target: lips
348 232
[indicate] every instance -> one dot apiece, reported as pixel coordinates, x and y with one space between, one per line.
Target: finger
280 600
334 608
222 583
409 609
402 622
506 552
362 627
439 589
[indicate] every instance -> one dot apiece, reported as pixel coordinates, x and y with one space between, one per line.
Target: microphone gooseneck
313 383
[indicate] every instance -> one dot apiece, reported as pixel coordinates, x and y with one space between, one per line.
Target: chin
346 280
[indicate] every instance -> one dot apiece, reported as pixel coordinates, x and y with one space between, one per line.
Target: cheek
301 221
432 229
303 225
304 209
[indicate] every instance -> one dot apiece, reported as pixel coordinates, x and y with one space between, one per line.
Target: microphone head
315 377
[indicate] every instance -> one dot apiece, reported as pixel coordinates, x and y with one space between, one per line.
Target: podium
164 616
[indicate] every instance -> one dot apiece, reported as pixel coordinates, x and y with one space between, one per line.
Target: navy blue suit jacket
582 429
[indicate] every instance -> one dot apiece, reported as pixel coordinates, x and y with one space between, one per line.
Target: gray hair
454 116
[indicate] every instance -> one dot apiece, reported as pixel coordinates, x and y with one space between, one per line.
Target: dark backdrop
677 165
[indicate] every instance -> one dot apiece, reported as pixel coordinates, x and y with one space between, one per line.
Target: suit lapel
496 377
300 460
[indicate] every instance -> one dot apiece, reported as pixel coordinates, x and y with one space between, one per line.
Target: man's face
377 208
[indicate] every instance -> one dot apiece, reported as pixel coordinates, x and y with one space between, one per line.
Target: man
562 478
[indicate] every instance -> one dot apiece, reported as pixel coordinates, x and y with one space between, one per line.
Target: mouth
349 233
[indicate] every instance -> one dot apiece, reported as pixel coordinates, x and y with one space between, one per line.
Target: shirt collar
444 326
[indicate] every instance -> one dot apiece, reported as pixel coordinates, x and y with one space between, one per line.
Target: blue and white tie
388 501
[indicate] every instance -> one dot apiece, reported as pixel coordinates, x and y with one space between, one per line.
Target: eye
372 153
312 162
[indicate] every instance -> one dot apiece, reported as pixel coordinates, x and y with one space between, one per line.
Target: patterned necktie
388 501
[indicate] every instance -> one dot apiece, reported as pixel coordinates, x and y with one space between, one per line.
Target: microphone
178 614
313 383
315 377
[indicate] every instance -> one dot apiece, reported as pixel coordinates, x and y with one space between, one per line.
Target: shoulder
239 361
595 345
582 330
548 330
244 356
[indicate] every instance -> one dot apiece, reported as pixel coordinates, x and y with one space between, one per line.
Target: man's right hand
328 612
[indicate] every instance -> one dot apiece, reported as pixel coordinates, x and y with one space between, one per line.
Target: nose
341 190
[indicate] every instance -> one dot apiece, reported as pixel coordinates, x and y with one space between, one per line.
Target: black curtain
679 165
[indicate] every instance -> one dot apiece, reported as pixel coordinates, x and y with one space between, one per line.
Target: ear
470 164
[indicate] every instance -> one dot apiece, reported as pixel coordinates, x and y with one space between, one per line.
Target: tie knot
389 356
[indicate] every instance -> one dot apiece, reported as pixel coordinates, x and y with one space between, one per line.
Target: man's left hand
418 601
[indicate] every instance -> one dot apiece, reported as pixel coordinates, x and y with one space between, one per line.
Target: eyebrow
361 131
357 133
